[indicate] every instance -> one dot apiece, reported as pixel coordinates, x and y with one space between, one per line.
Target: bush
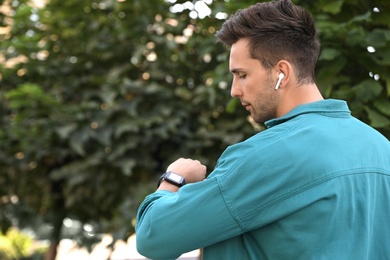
16 245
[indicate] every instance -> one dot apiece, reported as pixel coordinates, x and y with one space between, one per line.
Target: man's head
277 30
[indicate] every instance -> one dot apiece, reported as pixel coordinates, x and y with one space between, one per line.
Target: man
314 185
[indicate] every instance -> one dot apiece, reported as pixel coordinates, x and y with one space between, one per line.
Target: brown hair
276 30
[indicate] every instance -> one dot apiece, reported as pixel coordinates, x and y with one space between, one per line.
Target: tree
97 99
99 104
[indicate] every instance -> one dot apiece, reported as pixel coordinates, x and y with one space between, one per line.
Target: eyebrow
236 70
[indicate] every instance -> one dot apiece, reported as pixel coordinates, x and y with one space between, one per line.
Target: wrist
172 178
167 186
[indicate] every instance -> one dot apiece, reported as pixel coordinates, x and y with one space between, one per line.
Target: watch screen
175 177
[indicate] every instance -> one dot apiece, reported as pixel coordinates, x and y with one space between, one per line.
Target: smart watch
172 178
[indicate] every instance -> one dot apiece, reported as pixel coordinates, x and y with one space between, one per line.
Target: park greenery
98 97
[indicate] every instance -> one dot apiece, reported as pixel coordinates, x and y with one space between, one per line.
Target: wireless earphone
280 77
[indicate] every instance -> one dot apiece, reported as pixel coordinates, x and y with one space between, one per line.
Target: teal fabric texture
314 185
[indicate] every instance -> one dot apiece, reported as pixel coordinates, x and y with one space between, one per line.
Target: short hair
276 30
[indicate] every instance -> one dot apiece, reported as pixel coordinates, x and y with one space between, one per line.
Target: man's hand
191 170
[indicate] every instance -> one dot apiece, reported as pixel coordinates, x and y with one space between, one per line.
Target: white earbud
280 77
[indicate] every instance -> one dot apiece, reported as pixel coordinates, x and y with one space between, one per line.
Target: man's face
252 84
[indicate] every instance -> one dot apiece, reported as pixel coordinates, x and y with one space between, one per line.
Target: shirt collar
325 107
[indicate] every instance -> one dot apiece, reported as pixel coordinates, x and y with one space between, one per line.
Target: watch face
176 178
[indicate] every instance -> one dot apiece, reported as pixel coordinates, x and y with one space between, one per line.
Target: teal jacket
314 185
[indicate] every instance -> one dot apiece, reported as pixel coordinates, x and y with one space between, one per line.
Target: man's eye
242 76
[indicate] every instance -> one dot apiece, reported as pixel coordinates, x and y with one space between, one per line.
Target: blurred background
97 98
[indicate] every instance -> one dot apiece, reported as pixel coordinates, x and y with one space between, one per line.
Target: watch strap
165 176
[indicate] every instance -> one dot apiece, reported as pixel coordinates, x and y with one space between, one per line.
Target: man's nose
235 90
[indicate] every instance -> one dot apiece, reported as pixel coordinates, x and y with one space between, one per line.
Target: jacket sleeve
170 224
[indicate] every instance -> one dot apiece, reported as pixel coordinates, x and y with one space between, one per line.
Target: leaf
65 131
232 105
366 17
377 38
367 90
383 106
28 95
329 75
66 171
127 166
329 54
388 86
376 118
108 96
77 179
130 125
77 141
382 57
183 93
333 7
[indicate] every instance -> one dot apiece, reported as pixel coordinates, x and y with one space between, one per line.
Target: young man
314 185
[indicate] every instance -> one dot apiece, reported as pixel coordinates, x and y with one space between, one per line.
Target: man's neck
294 96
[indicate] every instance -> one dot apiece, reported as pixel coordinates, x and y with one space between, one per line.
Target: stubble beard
265 106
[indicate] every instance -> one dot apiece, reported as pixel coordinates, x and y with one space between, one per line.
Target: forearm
148 233
170 224
161 224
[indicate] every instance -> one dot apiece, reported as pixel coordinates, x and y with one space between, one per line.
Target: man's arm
191 170
173 221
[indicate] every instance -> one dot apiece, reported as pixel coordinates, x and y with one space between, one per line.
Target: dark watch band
172 178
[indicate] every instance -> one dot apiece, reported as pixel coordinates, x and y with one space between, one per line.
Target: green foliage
96 99
17 245
354 63
101 102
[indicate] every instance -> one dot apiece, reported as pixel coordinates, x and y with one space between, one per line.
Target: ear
286 68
